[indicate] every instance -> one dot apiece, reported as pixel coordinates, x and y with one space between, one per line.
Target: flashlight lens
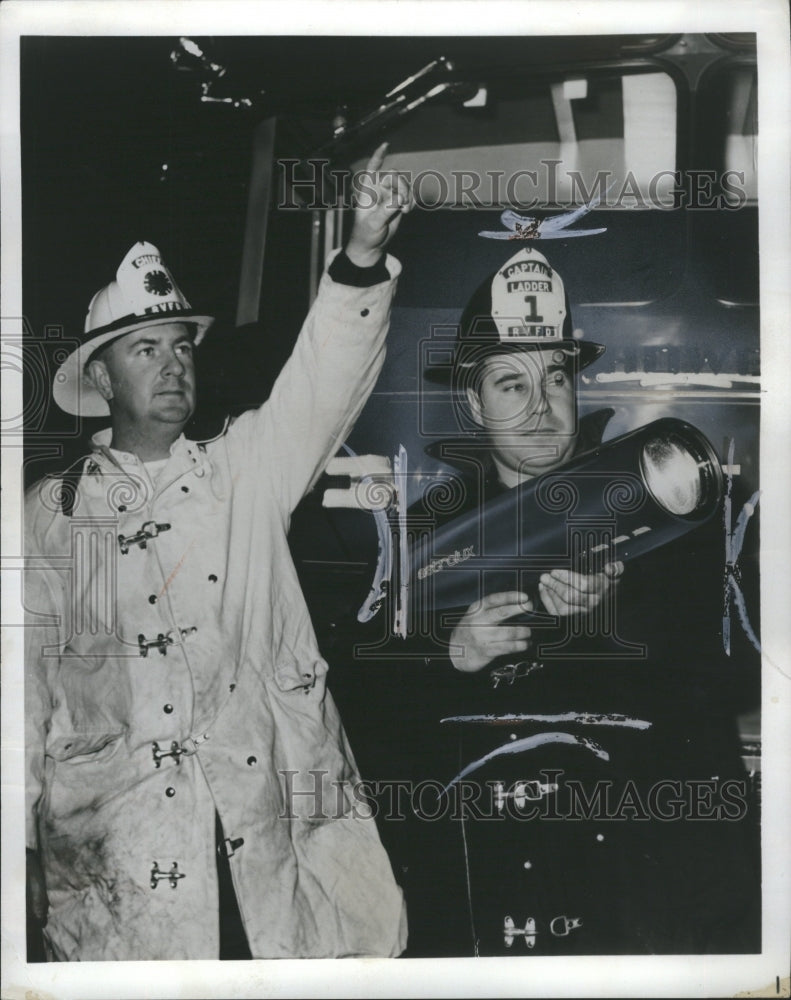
672 475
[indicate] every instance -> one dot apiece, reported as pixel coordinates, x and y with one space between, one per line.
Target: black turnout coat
606 808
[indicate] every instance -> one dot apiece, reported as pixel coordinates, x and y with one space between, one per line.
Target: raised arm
340 351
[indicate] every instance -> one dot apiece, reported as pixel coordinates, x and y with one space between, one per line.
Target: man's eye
146 352
185 348
514 387
558 378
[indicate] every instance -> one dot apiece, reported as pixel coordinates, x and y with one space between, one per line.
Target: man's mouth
530 433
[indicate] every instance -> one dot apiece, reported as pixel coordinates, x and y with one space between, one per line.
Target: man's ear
97 372
474 403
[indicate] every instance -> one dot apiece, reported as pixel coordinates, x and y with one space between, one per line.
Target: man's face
150 376
526 402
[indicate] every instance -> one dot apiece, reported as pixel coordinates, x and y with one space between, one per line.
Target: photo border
697 975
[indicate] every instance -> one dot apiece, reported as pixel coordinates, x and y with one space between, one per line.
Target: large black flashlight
617 502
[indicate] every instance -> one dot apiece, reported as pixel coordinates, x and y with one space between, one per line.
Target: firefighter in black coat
564 767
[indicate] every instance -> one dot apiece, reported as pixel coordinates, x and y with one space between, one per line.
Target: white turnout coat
129 755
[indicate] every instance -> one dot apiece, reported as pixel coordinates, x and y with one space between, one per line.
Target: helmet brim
584 351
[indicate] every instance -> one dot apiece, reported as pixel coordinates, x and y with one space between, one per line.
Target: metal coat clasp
175 637
161 643
561 926
511 931
171 876
175 751
149 530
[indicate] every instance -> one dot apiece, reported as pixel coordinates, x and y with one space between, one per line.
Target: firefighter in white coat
174 686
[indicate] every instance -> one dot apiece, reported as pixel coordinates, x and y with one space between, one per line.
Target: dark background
117 146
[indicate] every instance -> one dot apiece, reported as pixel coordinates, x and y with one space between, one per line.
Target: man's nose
538 404
174 366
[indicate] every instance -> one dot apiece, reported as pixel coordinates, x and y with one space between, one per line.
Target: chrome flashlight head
681 471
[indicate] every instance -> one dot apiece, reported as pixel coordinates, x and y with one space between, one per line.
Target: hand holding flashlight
564 593
483 633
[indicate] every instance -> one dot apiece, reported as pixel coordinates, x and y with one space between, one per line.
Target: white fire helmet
144 294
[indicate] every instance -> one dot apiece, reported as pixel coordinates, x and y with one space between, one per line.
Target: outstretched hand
482 634
381 198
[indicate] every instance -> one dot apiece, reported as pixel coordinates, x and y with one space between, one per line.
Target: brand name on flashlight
444 562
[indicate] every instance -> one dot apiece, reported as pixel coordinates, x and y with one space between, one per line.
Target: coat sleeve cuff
343 271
